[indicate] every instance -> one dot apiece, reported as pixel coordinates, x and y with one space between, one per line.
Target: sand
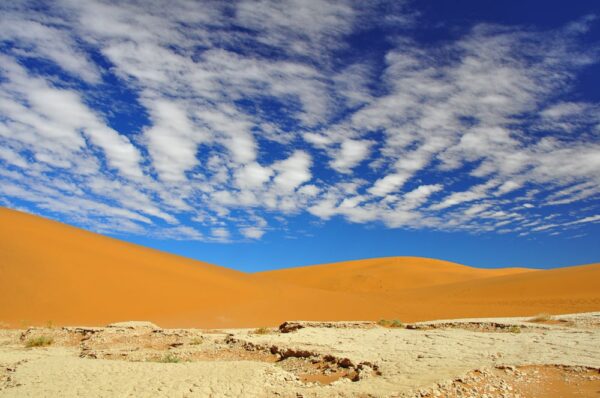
54 273
501 357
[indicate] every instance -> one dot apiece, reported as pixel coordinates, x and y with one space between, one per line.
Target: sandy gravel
123 361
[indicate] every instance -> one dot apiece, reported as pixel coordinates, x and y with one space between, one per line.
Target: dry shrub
170 358
395 323
40 341
514 329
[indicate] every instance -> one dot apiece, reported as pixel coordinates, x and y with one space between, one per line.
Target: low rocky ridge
580 321
292 326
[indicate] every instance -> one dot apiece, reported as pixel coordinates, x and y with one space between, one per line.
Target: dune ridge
53 272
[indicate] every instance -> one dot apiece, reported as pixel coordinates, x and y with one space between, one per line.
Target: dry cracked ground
511 357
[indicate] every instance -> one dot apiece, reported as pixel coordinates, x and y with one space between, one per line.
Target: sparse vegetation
196 341
261 331
394 323
40 341
514 329
543 317
170 358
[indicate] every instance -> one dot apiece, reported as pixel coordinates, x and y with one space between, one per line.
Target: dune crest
383 275
52 272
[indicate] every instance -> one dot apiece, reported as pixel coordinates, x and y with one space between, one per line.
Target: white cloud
60 122
298 26
181 232
249 108
387 184
477 209
36 40
253 175
220 233
508 186
172 141
589 219
252 232
350 154
293 171
456 198
12 157
419 195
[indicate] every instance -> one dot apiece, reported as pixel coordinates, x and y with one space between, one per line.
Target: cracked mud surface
507 358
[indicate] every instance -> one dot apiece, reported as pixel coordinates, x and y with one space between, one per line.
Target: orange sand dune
54 272
561 290
383 275
50 271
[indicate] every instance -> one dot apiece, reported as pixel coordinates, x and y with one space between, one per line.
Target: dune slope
52 272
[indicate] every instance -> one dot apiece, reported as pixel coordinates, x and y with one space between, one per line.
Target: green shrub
261 331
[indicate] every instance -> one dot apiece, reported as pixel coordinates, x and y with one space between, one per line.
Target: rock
345 363
287 327
82 329
134 325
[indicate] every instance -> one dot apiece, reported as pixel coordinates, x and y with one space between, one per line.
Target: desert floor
555 356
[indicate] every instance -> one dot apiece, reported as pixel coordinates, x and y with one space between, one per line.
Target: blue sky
267 134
